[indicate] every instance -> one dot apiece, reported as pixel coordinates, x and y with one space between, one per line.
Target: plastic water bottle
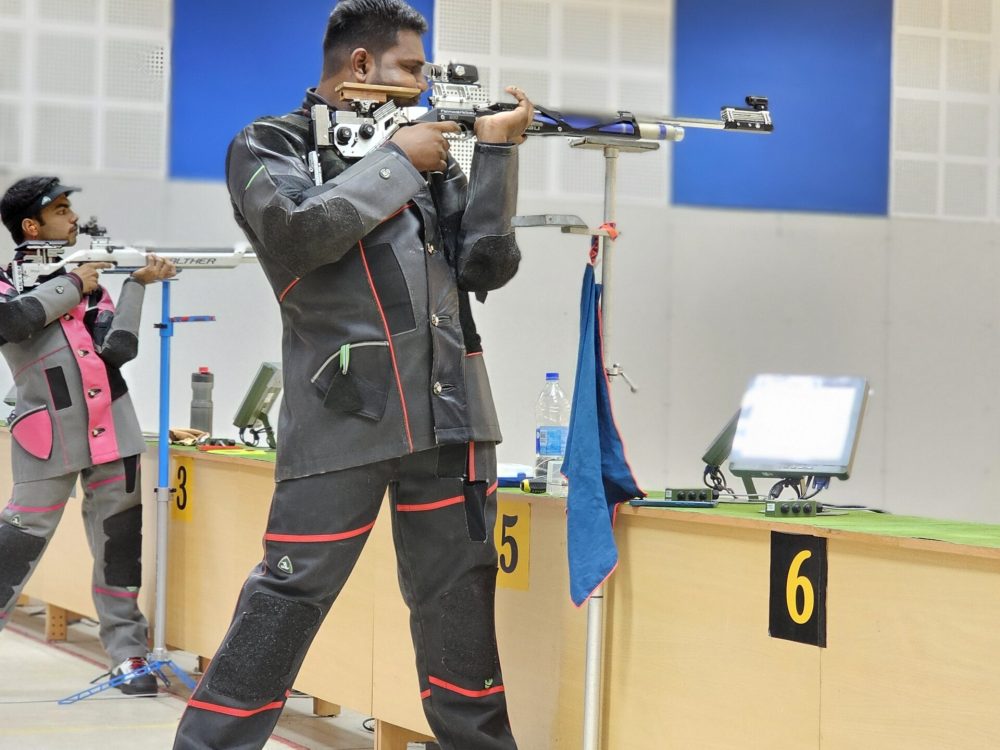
551 428
201 399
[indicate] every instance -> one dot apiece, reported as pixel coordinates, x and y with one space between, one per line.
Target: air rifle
371 116
44 258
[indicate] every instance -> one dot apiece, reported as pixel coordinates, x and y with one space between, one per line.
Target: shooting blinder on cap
48 193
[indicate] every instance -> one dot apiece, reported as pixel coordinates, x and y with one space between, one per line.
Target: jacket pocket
33 432
355 379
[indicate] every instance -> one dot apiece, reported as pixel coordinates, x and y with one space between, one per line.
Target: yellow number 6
795 582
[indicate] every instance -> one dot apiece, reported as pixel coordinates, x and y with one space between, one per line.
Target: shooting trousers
443 510
112 519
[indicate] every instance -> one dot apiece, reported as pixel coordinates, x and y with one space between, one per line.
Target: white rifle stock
46 258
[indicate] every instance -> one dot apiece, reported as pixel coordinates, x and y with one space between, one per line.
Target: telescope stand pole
596 614
166 327
594 676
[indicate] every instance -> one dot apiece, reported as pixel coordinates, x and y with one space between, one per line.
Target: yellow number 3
795 582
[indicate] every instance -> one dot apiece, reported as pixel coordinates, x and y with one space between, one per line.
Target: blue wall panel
825 64
234 62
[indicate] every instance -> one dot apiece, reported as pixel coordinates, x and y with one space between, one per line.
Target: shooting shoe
144 684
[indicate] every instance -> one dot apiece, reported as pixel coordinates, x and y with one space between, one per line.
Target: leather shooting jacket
65 349
372 271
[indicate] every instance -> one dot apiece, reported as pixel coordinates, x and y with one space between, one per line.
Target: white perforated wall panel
967 130
918 62
524 28
970 15
84 84
134 70
584 33
64 136
915 187
965 187
142 14
946 109
10 61
583 55
10 132
12 8
917 125
68 11
66 64
922 13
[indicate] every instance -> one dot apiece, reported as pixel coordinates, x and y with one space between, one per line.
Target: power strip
690 493
792 508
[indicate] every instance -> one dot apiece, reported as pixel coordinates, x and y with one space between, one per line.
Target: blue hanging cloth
595 465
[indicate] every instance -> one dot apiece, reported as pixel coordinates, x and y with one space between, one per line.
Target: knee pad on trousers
468 640
19 550
257 661
123 548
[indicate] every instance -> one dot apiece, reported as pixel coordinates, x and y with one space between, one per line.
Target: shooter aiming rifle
45 257
373 117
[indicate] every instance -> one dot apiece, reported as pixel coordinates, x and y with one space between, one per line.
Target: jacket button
94 392
67 316
430 248
385 174
438 388
435 321
60 289
97 431
82 352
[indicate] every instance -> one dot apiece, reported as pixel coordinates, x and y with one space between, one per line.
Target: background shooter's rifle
456 96
44 258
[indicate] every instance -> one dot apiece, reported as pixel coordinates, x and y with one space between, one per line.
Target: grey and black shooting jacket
373 271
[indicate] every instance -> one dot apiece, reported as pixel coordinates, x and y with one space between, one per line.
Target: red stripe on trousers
310 538
463 691
239 713
95 485
431 506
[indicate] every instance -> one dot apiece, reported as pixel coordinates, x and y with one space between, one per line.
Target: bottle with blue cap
551 428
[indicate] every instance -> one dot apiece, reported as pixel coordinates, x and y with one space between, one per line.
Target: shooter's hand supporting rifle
507 126
156 269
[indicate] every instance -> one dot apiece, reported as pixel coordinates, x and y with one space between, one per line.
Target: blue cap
552 376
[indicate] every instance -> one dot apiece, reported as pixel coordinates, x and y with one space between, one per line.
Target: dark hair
18 199
372 24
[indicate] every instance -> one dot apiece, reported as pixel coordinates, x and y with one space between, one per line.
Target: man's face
58 223
402 65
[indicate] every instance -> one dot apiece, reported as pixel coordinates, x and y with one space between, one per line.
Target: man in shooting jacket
384 387
65 341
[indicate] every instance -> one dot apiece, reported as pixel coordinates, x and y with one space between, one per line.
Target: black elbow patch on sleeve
100 325
123 548
491 263
307 238
259 661
23 317
120 347
19 550
468 640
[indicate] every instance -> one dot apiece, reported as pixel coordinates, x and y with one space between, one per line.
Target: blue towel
595 465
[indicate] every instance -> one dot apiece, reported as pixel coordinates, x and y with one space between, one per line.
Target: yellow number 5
793 584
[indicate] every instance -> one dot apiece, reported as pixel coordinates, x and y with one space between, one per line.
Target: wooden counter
911 624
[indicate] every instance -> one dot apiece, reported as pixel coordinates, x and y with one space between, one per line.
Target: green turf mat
862 522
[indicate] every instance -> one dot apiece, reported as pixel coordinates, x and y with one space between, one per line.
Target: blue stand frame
159 658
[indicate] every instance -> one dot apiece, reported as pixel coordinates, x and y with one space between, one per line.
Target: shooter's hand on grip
507 126
425 145
89 274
